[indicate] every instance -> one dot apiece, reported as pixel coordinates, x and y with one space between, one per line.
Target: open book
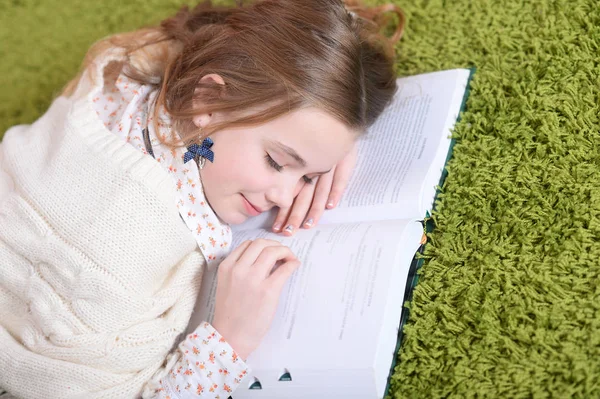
336 328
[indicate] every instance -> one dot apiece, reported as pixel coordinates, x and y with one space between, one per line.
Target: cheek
239 173
255 177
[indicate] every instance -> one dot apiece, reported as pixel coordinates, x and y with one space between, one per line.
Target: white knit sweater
93 293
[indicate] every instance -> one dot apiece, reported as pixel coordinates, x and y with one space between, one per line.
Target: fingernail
330 204
309 222
289 228
276 226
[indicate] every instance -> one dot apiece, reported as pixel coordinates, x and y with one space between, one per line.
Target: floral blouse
207 367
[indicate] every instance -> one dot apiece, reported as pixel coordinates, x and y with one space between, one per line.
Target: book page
339 298
401 157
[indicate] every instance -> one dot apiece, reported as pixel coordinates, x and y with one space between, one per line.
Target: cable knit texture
93 293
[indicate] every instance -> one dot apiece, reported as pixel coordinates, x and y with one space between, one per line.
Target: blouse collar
212 234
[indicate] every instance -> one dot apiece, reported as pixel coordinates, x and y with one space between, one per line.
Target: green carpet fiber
508 303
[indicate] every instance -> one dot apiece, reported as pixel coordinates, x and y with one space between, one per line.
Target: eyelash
271 162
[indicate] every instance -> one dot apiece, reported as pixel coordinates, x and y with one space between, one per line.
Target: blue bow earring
203 151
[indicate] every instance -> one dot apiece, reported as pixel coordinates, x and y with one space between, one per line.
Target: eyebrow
291 152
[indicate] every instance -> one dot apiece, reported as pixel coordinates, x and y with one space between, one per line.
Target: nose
283 194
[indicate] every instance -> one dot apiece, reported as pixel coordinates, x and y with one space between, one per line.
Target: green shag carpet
508 302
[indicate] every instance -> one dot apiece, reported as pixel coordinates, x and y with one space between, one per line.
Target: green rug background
508 301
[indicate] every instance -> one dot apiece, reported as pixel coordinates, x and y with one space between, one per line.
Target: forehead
310 130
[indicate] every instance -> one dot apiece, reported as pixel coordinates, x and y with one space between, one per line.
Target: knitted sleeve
203 366
6 183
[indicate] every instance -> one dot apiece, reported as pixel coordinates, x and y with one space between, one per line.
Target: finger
320 197
342 176
343 172
281 275
282 216
234 256
299 209
253 251
269 257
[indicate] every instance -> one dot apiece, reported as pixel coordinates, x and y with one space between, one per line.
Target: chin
232 218
238 220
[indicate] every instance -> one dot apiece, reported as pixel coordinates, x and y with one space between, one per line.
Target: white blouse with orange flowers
208 367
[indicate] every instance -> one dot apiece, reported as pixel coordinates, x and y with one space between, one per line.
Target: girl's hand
327 191
248 293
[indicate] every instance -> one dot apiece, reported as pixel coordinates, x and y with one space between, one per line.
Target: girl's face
302 144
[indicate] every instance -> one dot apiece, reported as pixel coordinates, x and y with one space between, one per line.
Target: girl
215 116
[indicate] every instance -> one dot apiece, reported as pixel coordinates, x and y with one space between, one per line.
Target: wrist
238 344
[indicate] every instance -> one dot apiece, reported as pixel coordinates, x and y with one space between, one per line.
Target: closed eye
271 162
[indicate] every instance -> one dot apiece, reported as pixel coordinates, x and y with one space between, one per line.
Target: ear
203 120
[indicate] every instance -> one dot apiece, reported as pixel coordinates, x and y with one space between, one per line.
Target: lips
252 206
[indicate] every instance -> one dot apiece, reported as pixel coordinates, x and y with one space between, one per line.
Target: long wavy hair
273 55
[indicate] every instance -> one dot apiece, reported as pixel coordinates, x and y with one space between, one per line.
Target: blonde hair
277 54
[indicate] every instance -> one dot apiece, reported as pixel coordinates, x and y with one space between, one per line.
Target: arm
204 365
248 292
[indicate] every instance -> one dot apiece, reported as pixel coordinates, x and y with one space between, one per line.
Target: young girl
115 201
